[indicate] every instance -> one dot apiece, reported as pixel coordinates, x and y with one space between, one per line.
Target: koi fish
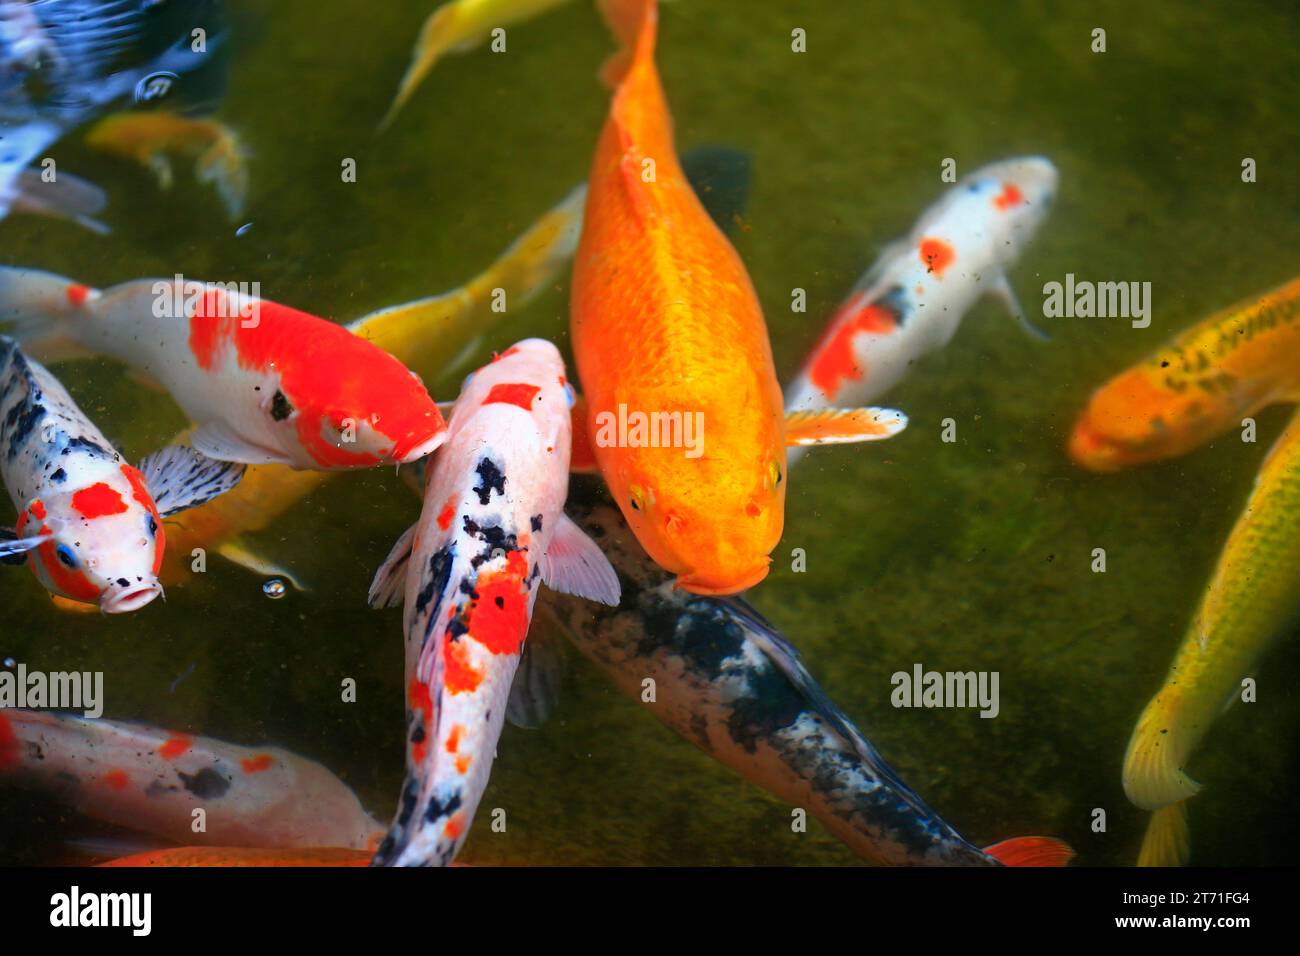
492 526
64 64
220 157
665 321
263 382
1197 386
910 302
730 684
457 27
91 523
152 780
1251 599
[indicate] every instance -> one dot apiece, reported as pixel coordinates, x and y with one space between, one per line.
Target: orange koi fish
1196 387
668 332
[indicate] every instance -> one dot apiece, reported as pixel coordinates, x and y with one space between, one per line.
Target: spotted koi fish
492 527
726 681
264 383
90 523
912 300
1251 599
1196 387
152 780
665 322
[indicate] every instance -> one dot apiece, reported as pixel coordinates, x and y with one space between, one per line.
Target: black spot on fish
280 407
123 583
494 537
771 703
895 301
418 735
457 628
438 810
207 784
491 478
536 522
435 581
59 477
88 445
500 602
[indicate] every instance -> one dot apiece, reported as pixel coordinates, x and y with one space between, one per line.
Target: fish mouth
712 585
121 600
408 454
1091 451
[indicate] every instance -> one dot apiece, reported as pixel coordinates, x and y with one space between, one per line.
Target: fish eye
280 406
569 395
66 556
641 498
773 473
468 378
151 525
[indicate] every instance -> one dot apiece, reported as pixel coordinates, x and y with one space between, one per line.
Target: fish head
1019 193
105 544
529 375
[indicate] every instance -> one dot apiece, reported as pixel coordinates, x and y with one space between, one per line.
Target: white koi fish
914 297
91 522
492 525
152 780
264 383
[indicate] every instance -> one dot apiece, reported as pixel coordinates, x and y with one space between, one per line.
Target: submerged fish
65 63
913 298
729 683
457 27
665 323
263 382
1251 599
90 522
152 781
492 526
1197 386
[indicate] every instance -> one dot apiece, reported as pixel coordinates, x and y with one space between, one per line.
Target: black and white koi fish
91 523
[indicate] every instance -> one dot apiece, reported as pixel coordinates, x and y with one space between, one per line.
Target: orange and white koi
90 523
263 382
492 527
665 322
152 780
911 301
1197 386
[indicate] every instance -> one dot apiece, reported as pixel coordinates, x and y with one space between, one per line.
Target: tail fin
633 23
36 308
1031 851
442 32
1153 775
66 197
1168 840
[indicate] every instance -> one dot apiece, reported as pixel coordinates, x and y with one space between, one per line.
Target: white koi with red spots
492 526
914 297
90 523
152 780
263 382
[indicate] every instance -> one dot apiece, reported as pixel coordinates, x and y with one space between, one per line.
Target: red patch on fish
447 513
454 828
460 675
257 764
514 393
117 779
38 510
453 738
498 619
8 744
175 747
833 359
77 294
421 701
98 501
937 255
1010 196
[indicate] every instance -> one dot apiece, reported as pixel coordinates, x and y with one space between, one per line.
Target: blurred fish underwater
1089 515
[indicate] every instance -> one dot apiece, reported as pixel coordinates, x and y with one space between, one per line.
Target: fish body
225 856
152 780
492 528
665 321
1197 386
65 63
1252 598
729 683
914 297
263 382
88 523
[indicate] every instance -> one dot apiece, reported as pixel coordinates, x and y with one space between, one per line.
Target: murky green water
963 556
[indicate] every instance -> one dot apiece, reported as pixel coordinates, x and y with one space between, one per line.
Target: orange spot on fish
937 255
833 359
77 294
98 501
447 513
1010 196
462 764
513 393
498 619
257 764
460 675
454 828
117 779
453 738
175 747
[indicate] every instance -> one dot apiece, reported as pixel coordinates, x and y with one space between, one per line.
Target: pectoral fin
180 477
536 688
574 564
1002 291
218 440
65 197
13 549
389 586
238 551
839 426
